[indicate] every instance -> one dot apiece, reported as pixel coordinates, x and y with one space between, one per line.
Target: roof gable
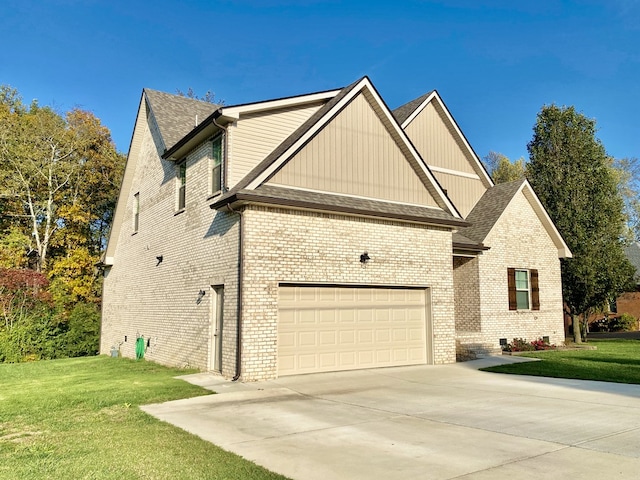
355 154
495 202
125 187
432 105
312 127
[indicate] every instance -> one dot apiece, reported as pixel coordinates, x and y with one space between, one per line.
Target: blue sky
495 63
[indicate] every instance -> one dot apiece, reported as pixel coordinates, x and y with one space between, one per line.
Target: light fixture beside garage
364 258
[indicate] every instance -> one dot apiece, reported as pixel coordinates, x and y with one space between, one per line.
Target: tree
59 180
573 176
502 170
628 174
208 97
49 162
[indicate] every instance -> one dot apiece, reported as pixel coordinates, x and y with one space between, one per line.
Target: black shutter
535 290
511 282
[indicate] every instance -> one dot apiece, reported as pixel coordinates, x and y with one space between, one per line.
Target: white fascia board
415 113
127 177
364 84
563 248
434 95
305 138
403 135
235 112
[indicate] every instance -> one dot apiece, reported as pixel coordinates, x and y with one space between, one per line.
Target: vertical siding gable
464 192
440 146
437 141
355 154
256 135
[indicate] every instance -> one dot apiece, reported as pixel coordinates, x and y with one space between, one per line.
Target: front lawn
79 418
613 361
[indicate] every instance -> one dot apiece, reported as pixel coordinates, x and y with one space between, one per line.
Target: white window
136 212
524 293
522 289
182 185
217 160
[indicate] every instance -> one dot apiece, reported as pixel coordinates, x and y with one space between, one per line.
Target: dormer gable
436 135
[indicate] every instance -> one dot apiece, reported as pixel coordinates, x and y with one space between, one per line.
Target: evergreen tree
574 178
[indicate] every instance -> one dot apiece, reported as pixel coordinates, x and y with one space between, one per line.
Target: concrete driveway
432 422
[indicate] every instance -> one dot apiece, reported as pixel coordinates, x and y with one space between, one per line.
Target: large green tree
574 178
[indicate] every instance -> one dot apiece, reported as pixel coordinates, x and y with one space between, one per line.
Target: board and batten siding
465 192
440 146
256 135
355 154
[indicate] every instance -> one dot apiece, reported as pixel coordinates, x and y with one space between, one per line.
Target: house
320 232
629 302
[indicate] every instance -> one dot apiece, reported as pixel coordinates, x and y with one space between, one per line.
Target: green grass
613 361
79 419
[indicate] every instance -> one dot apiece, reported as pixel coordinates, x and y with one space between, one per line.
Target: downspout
240 284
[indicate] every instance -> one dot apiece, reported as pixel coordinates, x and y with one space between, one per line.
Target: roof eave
237 199
200 133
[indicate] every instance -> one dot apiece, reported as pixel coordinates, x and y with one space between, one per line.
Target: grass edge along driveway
613 361
79 418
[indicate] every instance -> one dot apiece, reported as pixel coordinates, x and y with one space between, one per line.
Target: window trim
533 289
136 212
181 185
212 166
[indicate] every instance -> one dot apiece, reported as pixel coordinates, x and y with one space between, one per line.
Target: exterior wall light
364 258
201 295
159 258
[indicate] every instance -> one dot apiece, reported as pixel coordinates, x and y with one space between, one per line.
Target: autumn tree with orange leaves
59 179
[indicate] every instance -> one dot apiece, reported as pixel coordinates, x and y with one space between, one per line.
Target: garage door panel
327 316
328 339
347 337
382 336
344 328
287 339
328 360
365 337
308 339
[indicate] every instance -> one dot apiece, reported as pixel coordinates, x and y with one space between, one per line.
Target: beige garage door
324 329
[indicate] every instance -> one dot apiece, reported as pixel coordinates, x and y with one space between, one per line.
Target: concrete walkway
433 422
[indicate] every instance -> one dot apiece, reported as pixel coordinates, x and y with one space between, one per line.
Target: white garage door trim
324 328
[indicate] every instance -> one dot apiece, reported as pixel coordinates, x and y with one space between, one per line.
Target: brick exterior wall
466 294
199 248
285 246
517 240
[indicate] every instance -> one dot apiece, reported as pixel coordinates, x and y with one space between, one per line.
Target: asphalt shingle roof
633 254
176 115
489 209
340 203
404 111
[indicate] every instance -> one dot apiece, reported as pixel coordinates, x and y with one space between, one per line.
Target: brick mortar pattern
199 248
517 240
286 246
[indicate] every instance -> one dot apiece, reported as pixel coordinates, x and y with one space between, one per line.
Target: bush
623 323
82 334
521 345
32 336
